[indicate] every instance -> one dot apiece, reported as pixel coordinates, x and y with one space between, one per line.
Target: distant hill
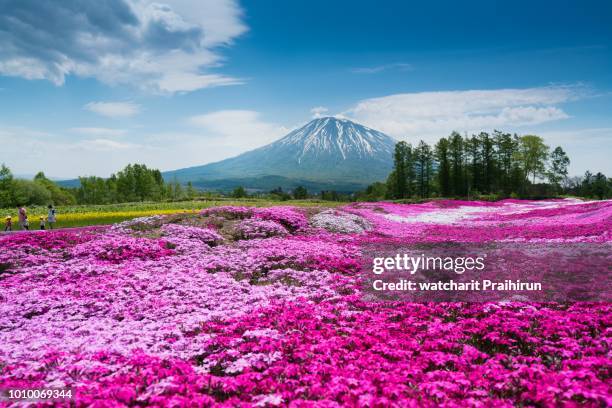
71 183
326 153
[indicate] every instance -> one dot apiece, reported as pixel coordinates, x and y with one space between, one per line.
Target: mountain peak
334 120
335 137
326 149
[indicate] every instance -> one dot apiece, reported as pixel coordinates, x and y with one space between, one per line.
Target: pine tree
424 161
455 150
399 170
489 165
442 156
505 151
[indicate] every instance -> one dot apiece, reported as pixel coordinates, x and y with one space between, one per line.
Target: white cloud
104 145
99 132
59 155
399 66
161 46
114 109
318 111
431 115
101 151
241 129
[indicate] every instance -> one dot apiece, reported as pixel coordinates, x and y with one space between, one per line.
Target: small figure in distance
51 216
23 218
8 223
42 222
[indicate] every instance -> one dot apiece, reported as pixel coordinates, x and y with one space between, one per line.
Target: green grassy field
84 215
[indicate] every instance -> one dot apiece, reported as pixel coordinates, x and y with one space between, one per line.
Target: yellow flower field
83 215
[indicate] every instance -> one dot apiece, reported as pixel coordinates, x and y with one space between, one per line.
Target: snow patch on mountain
337 136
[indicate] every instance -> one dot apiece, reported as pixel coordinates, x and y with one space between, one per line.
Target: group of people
24 223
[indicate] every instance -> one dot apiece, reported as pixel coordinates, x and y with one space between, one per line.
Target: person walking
8 223
23 218
51 216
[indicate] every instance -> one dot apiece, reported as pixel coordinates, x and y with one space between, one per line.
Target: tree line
39 191
485 165
135 182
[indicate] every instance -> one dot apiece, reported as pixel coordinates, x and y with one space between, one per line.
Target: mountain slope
326 149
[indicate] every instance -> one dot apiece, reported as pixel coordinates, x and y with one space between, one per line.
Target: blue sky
89 86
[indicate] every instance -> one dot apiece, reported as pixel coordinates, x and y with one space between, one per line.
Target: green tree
330 195
457 171
586 187
28 192
399 170
391 186
488 162
239 192
424 162
59 196
506 152
279 194
6 187
110 186
473 170
300 193
191 191
93 190
374 192
177 190
532 153
600 186
401 181
136 182
444 170
557 171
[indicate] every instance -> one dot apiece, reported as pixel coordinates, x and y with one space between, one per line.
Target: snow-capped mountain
326 149
336 138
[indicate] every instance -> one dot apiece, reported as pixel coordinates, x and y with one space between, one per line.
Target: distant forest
484 166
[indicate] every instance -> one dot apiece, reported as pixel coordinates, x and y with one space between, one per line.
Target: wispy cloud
104 145
243 129
57 154
98 132
398 66
318 111
161 46
430 115
114 109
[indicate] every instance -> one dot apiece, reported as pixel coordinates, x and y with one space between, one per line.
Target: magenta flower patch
266 308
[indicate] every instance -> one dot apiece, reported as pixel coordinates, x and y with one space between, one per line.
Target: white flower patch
267 400
146 222
267 332
336 221
252 359
442 216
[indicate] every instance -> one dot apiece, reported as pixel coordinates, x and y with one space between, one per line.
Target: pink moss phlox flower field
256 228
242 306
